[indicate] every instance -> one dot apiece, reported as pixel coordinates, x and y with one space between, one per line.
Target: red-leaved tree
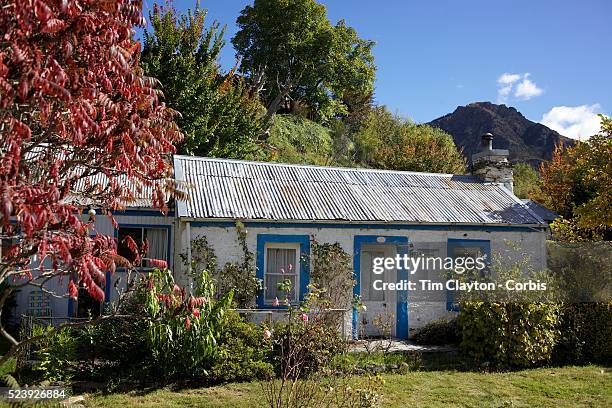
81 127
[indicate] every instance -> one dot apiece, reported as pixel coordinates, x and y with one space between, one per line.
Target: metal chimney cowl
492 165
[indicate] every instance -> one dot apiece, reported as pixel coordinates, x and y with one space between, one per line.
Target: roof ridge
312 166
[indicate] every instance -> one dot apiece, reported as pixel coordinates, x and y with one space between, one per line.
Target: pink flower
187 323
304 317
267 334
282 270
196 312
276 302
290 267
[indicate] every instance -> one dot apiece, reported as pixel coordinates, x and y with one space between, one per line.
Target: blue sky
435 55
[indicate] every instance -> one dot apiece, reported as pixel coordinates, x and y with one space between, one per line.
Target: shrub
332 269
240 278
169 335
242 353
308 339
115 346
56 354
586 333
183 331
312 345
439 332
509 334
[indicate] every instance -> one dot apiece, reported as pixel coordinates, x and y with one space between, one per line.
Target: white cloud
527 89
577 122
523 87
507 79
503 92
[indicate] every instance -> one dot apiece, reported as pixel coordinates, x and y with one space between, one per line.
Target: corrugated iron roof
233 189
142 194
542 212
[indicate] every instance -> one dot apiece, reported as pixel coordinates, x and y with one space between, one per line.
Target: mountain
527 141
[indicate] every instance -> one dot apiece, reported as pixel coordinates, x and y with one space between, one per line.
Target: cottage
372 214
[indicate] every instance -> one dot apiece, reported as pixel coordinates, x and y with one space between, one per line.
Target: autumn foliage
82 128
576 184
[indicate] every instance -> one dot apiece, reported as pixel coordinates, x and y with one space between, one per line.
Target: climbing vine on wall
240 276
333 273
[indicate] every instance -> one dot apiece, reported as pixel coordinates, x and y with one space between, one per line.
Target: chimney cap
487 142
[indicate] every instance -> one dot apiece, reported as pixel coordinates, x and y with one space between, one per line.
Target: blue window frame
461 247
278 243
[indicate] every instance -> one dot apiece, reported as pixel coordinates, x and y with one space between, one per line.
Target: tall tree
525 180
576 184
79 124
387 141
218 117
289 50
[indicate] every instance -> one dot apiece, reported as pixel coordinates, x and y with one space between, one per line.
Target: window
281 262
464 249
39 304
157 239
368 276
86 305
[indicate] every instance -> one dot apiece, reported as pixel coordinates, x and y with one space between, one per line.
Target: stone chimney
492 165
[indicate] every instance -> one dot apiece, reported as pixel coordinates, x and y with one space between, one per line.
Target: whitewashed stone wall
223 241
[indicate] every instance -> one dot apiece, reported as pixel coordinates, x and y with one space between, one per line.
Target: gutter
408 224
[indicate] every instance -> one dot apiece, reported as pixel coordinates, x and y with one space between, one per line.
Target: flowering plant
184 328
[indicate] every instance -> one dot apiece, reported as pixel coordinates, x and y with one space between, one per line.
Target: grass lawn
589 386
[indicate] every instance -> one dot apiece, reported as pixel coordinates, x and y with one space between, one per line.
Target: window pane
6 246
122 248
277 270
468 252
272 291
158 243
368 276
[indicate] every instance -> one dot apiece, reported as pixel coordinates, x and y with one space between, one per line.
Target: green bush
294 139
586 333
56 354
314 345
509 334
242 352
114 346
183 330
438 333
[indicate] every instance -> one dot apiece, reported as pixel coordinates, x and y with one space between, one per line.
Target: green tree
577 183
387 141
525 180
217 116
289 50
294 139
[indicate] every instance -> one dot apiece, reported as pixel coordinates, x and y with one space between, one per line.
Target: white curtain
277 270
158 243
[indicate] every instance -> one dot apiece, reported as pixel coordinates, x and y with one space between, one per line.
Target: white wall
223 241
